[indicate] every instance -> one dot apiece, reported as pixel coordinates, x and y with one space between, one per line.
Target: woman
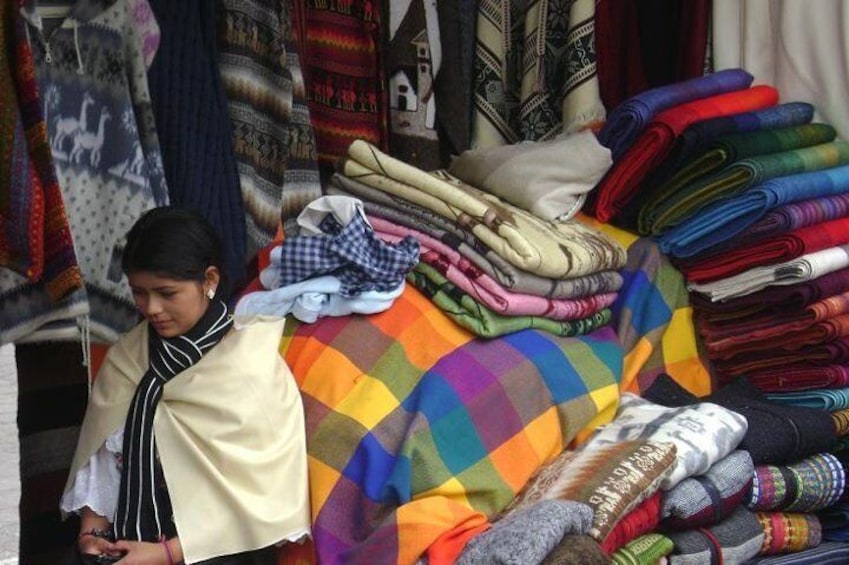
193 447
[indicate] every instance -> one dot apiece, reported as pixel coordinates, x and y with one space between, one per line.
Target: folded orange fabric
623 180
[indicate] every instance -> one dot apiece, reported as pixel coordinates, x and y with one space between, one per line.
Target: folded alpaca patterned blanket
474 316
702 433
789 532
731 181
550 249
402 436
727 150
628 120
474 282
726 218
623 180
612 479
804 268
466 244
808 485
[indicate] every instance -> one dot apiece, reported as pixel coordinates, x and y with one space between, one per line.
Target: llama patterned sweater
91 64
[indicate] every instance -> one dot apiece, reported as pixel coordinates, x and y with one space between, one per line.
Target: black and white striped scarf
144 509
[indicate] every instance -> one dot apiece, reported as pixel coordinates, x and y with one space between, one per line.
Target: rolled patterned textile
829 553
789 532
808 485
623 180
628 120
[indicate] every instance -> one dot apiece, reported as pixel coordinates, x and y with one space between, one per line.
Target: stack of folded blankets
750 200
500 251
728 478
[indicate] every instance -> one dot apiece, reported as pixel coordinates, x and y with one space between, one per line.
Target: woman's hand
145 553
95 545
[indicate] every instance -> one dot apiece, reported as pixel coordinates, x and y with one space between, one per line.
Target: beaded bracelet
167 550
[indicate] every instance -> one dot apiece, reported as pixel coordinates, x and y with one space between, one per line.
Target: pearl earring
210 293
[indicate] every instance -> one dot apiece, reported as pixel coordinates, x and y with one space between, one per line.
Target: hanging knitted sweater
91 62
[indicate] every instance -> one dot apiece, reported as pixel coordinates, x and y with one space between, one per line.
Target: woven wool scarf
141 501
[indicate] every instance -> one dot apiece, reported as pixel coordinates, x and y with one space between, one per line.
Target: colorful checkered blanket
419 432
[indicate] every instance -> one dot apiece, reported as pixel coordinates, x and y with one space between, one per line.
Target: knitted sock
735 540
526 536
577 550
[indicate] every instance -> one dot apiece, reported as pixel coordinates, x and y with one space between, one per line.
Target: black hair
176 243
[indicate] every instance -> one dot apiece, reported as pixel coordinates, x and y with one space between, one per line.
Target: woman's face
171 306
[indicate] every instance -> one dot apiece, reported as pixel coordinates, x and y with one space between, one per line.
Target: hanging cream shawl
230 435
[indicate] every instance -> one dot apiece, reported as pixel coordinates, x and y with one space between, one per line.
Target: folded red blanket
623 180
778 249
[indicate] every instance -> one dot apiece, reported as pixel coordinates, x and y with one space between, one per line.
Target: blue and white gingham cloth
352 253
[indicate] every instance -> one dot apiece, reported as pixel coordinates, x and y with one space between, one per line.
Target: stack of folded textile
493 266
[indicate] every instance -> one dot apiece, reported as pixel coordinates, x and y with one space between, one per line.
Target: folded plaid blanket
474 316
550 249
466 244
726 218
628 120
690 199
418 432
653 319
623 180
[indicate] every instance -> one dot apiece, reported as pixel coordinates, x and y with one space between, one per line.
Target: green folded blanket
739 176
731 148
